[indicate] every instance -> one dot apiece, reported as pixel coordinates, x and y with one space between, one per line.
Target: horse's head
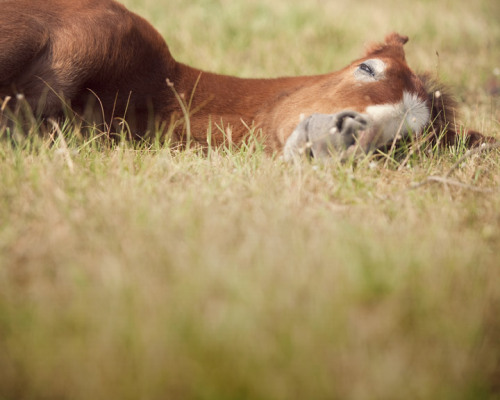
377 98
382 86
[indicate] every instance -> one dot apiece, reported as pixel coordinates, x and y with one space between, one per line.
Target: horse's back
74 50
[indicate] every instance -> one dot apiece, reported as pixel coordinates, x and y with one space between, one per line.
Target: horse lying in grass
107 65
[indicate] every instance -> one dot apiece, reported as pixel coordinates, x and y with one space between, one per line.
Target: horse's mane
443 126
442 103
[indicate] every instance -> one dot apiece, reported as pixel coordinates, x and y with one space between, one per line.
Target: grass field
131 271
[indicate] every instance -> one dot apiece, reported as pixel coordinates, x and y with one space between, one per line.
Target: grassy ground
135 272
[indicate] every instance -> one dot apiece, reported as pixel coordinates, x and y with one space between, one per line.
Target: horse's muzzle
325 135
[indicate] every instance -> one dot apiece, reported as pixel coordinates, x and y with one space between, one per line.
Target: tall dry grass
130 270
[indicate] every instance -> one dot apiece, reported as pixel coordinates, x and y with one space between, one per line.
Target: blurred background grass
457 40
142 273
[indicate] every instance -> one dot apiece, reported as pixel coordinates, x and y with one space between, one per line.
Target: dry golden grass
133 271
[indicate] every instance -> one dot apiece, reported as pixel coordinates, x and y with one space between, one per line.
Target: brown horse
107 64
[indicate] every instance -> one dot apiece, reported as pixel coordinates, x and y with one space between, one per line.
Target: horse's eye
366 68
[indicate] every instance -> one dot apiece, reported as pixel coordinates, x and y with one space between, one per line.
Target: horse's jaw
392 121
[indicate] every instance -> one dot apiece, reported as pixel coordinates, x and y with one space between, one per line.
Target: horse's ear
396 39
393 41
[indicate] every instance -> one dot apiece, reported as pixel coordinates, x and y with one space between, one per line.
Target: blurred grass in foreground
132 271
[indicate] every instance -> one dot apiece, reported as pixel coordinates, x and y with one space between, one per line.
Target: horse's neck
230 101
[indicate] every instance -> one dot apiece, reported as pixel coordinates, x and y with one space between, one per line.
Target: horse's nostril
344 117
341 123
350 122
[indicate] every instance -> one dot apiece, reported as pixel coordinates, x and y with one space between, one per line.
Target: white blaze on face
411 114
